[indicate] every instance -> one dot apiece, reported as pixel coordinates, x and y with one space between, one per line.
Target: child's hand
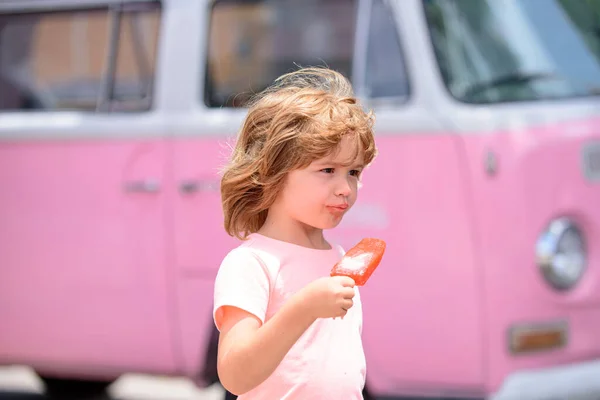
330 297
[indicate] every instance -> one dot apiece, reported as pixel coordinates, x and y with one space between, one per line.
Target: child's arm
249 352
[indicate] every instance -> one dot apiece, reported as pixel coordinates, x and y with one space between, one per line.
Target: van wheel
230 396
67 389
366 394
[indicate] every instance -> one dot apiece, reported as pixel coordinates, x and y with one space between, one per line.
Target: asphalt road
19 383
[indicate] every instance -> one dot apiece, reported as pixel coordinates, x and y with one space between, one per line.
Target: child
294 172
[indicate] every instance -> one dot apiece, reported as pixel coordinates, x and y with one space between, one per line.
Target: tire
67 389
230 396
366 394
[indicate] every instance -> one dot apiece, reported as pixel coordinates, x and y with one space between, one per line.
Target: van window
85 60
251 43
386 73
520 50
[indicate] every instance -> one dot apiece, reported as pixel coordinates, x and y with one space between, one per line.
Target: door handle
142 186
193 186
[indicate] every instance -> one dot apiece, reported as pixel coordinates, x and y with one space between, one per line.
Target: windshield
516 50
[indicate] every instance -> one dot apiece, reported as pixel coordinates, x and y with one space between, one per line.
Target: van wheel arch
75 389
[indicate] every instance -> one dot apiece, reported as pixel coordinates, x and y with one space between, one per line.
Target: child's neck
301 235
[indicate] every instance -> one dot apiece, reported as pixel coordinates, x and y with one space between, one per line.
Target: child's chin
326 223
333 224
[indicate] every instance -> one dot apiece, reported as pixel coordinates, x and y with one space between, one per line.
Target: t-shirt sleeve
242 281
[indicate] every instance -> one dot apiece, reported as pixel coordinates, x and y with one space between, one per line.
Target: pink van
116 115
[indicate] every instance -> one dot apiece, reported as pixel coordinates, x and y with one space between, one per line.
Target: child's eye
355 173
327 170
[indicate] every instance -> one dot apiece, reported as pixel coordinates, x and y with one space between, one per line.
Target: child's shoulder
251 252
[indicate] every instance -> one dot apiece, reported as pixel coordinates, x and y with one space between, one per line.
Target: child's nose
343 188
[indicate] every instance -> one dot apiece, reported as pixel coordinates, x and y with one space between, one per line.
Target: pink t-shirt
328 361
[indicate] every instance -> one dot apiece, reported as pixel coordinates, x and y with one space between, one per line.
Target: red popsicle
361 260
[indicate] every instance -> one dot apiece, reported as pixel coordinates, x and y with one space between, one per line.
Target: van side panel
540 177
199 240
83 285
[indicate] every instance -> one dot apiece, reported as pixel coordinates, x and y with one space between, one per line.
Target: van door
82 160
523 95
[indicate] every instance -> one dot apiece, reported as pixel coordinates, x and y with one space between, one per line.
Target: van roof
55 5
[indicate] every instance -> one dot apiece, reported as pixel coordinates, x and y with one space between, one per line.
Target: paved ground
18 383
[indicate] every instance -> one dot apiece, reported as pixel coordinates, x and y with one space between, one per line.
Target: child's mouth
338 208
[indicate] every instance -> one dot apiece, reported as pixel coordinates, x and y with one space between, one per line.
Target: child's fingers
348 293
345 281
347 304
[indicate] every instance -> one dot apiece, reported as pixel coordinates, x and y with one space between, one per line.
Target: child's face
320 194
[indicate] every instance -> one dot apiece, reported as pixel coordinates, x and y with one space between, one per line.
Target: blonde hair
301 118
